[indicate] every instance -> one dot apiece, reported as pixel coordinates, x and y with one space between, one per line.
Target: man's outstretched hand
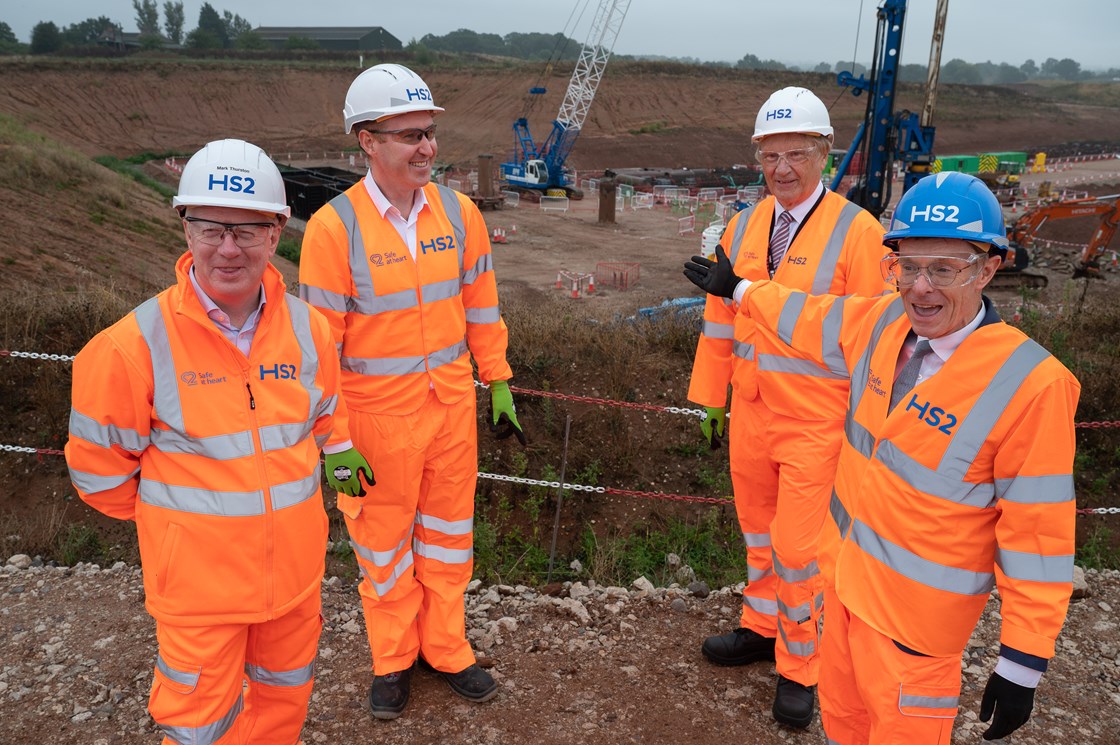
713 277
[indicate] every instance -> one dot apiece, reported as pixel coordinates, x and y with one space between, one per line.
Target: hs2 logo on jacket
442 243
279 372
934 416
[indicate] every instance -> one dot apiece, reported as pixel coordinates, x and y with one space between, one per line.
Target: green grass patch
1099 550
129 168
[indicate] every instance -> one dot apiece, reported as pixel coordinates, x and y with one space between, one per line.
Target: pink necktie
779 242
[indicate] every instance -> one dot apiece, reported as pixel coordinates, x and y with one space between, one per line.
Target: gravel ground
586 664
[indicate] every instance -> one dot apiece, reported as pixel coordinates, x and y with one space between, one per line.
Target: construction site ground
77 647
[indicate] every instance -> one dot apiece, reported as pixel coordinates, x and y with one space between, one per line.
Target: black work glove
1011 702
713 277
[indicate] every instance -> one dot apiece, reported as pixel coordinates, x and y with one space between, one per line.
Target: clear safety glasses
245 234
411 136
793 157
939 271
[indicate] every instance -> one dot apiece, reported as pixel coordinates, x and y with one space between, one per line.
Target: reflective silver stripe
858 436
181 677
165 382
106 435
798 649
909 564
989 407
321 440
830 741
754 575
797 613
280 436
321 298
449 198
207 734
484 264
818 601
928 702
300 314
397 572
839 514
281 678
743 350
442 290
862 369
1035 567
398 300
831 352
762 605
830 257
795 575
1036 489
327 406
795 366
756 540
447 527
714 330
379 558
201 501
404 365
91 483
295 492
740 229
791 312
359 264
216 447
484 315
439 553
935 483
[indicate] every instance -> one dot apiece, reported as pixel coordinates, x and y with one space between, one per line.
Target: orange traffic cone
575 288
590 284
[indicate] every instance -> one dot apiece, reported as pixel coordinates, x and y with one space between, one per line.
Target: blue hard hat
949 205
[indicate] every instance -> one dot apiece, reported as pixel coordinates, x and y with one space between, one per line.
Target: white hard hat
386 90
792 109
232 173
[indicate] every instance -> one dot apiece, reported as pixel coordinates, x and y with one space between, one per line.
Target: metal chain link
1099 511
604 401
21 449
539 482
37 356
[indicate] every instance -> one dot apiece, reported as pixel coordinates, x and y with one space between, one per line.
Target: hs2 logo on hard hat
779 114
236 184
935 213
418 94
933 415
442 243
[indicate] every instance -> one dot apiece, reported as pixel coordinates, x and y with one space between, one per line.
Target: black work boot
793 703
472 683
738 647
388 694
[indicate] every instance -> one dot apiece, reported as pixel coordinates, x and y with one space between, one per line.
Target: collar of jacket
184 299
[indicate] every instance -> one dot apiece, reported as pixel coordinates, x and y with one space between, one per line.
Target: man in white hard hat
200 416
401 267
788 410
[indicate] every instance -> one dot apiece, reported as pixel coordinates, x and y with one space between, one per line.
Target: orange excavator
1021 234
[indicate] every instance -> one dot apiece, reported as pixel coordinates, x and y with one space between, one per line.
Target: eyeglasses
245 234
411 136
941 271
793 157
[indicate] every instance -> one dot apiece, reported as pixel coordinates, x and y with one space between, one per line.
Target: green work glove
503 414
712 425
344 472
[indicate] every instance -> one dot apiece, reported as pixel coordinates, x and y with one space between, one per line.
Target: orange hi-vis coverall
406 331
967 484
784 433
215 455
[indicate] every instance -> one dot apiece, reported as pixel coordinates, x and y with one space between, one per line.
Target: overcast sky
796 32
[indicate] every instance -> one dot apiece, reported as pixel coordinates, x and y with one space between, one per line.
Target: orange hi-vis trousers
782 471
413 532
198 695
874 692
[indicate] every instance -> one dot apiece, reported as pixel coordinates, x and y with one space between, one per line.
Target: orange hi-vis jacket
836 250
967 484
215 455
405 326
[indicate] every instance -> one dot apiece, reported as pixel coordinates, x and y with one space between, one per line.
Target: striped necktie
908 376
779 242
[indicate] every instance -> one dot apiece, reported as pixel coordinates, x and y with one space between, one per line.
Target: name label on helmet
935 213
443 243
242 184
779 114
418 94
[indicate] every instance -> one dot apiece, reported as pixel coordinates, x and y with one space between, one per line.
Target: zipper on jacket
269 517
252 403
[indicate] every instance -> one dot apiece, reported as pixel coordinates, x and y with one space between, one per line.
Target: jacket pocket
178 676
166 555
936 702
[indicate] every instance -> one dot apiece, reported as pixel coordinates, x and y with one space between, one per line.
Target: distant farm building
334 38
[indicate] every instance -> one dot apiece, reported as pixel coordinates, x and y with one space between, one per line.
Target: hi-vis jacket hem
215 455
966 485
